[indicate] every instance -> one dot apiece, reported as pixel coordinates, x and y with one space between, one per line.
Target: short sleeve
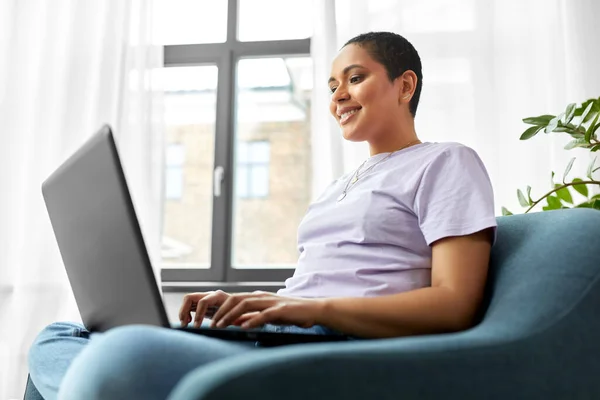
455 195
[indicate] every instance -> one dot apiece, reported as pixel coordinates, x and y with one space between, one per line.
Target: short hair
396 54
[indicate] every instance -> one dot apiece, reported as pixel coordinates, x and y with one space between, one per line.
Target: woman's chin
351 135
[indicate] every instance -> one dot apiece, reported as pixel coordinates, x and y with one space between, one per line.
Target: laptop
104 253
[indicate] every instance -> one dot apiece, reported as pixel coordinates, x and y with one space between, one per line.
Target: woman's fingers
207 305
189 301
229 313
270 315
201 308
234 299
245 318
223 307
190 304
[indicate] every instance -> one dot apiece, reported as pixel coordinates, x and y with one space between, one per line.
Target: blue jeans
130 362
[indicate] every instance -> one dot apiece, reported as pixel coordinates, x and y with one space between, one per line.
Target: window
190 98
237 84
174 172
252 169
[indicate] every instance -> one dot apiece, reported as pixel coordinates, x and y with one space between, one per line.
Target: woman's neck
395 143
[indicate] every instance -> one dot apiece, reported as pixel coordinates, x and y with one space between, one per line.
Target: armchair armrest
473 364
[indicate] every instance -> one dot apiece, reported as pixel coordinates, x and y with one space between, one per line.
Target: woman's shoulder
447 147
440 151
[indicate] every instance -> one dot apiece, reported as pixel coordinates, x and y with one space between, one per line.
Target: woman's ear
408 84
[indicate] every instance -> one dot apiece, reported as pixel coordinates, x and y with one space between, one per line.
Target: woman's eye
332 89
355 79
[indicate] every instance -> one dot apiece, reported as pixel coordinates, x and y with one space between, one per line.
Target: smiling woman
405 253
375 90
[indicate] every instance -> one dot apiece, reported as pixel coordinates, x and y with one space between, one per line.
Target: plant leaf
580 188
591 128
531 132
570 130
552 179
591 169
587 204
529 195
594 130
591 114
565 195
585 113
579 110
522 201
595 148
505 211
576 143
552 125
575 134
596 204
540 120
554 203
569 113
568 169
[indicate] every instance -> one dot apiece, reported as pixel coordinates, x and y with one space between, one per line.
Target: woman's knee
52 335
117 365
51 352
59 329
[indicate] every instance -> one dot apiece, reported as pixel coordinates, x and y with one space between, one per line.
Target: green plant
581 123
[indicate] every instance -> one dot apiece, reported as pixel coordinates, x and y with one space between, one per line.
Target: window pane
189 21
260 181
174 183
260 152
190 110
242 153
241 187
256 24
175 155
273 122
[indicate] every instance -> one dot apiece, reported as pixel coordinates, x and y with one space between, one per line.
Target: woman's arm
458 275
459 270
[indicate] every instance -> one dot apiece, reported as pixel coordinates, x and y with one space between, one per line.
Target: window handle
218 180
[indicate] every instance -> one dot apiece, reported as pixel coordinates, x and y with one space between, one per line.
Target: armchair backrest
542 266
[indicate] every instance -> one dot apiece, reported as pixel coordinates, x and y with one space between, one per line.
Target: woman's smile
346 115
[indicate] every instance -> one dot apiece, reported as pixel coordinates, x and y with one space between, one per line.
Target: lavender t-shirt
376 241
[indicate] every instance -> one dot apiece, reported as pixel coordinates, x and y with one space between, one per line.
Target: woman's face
363 101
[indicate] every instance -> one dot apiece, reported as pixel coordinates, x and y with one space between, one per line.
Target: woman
398 247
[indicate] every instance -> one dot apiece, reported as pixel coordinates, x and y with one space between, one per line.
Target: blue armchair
539 335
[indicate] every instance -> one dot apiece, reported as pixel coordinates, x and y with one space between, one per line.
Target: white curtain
66 68
486 65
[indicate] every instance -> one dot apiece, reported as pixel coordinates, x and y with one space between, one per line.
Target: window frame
225 56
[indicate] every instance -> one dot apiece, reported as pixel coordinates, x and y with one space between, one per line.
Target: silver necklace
356 176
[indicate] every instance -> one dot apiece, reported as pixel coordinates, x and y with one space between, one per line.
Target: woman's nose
340 94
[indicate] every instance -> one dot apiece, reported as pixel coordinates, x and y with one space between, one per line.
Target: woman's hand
202 304
249 310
